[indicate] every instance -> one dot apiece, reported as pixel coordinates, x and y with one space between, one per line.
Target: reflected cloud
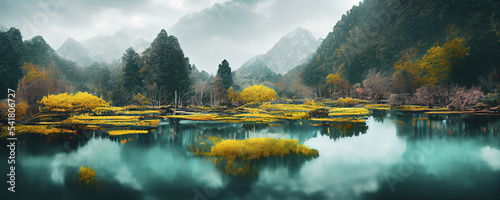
97 154
155 166
492 157
134 168
345 168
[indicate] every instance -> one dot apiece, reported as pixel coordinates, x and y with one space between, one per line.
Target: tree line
408 47
161 75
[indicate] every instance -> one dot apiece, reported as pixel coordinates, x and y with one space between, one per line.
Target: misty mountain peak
299 32
109 48
75 51
38 39
291 50
70 43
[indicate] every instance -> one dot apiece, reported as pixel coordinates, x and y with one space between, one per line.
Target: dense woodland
381 35
424 52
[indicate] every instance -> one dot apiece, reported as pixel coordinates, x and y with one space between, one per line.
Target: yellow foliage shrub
87 176
108 109
257 93
40 129
254 148
21 110
141 100
118 120
292 107
78 101
350 101
233 95
348 111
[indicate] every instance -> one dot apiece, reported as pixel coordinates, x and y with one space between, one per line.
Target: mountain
73 50
38 52
378 33
254 71
108 48
291 50
103 48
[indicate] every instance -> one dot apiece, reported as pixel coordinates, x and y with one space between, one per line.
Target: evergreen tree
224 72
98 77
10 60
131 78
166 68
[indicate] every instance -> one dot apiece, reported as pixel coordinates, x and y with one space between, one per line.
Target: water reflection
346 168
391 156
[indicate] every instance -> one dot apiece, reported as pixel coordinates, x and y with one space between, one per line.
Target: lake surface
388 157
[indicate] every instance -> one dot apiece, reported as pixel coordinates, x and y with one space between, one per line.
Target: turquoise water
388 157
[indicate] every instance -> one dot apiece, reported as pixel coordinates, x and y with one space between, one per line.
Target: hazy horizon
208 31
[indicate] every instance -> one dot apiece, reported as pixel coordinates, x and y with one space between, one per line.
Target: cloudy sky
208 30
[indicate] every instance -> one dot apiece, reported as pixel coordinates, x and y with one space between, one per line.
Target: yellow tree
86 101
63 101
141 100
233 95
71 102
36 83
435 66
257 93
335 83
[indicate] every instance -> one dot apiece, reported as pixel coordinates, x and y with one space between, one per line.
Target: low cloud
209 31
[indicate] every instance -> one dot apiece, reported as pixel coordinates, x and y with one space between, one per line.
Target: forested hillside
377 48
161 73
379 33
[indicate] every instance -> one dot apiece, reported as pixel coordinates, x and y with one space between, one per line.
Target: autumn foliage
87 177
233 95
36 83
20 112
432 68
255 148
336 83
140 100
257 93
71 102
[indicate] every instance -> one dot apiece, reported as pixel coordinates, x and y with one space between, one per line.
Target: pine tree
224 72
131 78
166 67
10 60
